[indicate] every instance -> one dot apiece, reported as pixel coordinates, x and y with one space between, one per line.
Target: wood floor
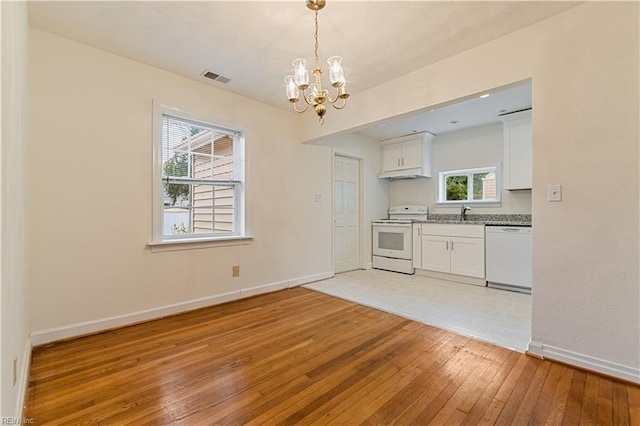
301 357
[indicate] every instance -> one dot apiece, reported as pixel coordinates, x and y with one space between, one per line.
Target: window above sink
473 186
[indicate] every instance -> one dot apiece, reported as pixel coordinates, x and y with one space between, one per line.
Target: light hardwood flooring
302 357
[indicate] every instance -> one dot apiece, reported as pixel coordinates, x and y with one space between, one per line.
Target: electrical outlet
15 371
318 198
554 192
235 271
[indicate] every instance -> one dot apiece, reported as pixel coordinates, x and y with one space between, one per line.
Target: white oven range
392 238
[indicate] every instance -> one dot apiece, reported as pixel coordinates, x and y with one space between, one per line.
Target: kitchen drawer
453 230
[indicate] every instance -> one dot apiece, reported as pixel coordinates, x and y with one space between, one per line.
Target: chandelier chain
316 38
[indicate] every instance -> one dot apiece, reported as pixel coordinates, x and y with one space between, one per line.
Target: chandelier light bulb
314 92
300 73
336 74
342 91
293 92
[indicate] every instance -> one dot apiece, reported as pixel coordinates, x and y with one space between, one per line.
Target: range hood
403 174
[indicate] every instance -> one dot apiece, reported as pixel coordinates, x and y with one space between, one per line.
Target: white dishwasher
508 257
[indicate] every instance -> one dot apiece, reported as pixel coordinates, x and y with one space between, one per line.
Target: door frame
361 238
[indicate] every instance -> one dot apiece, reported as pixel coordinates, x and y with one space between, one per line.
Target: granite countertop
481 219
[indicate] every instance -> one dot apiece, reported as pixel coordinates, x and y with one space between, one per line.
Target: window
198 179
479 185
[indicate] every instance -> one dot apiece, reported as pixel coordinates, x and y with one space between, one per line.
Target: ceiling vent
216 77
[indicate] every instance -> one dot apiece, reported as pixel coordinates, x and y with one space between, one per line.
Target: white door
346 232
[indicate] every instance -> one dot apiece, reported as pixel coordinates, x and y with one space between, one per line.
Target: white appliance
392 238
508 257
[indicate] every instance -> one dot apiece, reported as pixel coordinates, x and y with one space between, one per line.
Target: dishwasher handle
509 230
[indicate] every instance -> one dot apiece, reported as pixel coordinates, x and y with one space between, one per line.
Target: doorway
346 213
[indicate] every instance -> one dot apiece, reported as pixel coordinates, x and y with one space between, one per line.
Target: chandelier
313 94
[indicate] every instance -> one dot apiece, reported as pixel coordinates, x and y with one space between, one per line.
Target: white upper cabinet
412 154
408 156
517 150
392 157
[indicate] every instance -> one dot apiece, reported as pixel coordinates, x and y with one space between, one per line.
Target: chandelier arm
344 103
327 95
300 110
333 100
308 98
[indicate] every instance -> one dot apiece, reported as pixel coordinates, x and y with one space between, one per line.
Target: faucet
463 212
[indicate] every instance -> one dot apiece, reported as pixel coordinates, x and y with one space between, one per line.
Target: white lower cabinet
435 253
451 249
467 256
417 245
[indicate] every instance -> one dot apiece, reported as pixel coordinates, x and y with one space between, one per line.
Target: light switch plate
554 192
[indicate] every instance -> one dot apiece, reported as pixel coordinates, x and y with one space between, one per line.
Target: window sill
198 243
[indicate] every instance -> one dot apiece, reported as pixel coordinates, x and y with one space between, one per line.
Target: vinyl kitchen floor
496 316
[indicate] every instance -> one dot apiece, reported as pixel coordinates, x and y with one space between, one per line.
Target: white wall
375 191
14 336
461 149
584 69
89 192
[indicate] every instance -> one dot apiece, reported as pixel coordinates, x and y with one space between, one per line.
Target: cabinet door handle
451 245
403 161
398 161
447 245
418 229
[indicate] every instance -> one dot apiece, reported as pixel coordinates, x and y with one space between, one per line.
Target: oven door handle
397 225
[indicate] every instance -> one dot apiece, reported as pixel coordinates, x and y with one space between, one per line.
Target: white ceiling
253 43
462 114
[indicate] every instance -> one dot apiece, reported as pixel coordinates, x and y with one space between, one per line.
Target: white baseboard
452 277
368 265
23 380
42 337
630 374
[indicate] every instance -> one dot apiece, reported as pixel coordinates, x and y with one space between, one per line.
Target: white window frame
161 242
442 185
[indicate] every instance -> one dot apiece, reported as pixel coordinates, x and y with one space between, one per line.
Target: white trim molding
624 372
451 277
23 380
42 337
198 243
